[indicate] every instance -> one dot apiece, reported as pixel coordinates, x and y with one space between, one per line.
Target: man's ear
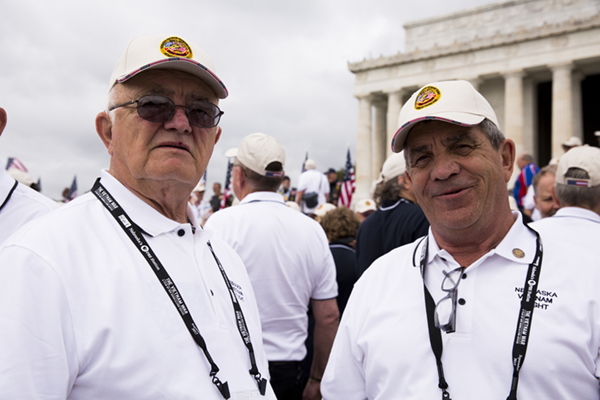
218 135
507 152
2 120
554 199
104 130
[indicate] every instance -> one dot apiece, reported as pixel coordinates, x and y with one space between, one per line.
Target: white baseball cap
166 52
393 167
585 157
257 151
365 205
573 141
324 209
456 102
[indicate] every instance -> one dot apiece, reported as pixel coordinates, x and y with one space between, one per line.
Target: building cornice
543 32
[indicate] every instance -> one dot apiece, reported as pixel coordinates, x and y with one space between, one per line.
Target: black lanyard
133 231
523 325
9 195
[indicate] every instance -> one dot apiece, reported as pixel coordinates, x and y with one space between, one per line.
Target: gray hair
578 196
493 133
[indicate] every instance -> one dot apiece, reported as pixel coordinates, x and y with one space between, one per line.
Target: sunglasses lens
155 108
203 114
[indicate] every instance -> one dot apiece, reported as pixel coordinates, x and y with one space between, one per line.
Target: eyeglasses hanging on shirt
442 316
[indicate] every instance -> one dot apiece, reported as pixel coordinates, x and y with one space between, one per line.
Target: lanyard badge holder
134 233
523 324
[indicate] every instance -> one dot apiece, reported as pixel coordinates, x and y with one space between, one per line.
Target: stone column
363 148
514 119
577 106
379 137
562 106
393 111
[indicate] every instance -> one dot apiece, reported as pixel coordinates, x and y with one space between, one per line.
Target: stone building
536 61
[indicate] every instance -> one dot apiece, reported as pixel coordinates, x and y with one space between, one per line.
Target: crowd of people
143 288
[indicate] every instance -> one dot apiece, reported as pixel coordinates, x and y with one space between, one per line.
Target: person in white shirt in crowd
576 195
313 188
19 204
543 187
289 263
199 203
482 307
120 294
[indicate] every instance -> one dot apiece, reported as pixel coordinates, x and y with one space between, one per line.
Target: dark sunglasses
161 109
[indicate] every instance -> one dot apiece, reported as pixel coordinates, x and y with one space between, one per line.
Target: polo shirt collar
6 184
263 196
577 212
147 218
519 237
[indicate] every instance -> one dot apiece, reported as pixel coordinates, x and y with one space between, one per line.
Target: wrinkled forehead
428 132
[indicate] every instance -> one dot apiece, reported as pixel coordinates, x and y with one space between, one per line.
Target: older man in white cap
397 221
289 263
120 294
19 204
478 309
576 194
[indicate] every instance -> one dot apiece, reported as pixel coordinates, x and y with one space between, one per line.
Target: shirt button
462 302
181 232
464 276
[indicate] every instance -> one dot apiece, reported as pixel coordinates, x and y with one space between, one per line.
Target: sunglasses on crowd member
159 109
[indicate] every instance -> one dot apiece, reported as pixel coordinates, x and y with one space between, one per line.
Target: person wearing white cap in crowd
397 221
19 204
289 263
322 210
313 188
571 143
481 308
199 203
120 294
576 195
364 208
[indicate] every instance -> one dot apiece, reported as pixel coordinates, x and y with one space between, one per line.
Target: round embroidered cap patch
176 47
427 96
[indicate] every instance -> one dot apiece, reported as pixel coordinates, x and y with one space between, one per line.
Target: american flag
72 193
227 187
347 187
14 162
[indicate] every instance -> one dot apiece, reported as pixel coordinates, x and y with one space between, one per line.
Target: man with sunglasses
478 308
121 294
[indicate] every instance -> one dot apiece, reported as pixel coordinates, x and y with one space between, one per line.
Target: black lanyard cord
523 325
133 231
10 193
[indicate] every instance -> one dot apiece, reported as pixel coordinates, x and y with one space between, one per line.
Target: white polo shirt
312 180
83 316
382 348
573 225
20 206
288 261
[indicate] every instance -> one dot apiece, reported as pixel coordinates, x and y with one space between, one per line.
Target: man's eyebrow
464 136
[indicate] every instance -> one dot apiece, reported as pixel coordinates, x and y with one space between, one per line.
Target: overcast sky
285 64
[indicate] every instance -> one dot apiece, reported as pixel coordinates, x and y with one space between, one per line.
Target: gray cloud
284 63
